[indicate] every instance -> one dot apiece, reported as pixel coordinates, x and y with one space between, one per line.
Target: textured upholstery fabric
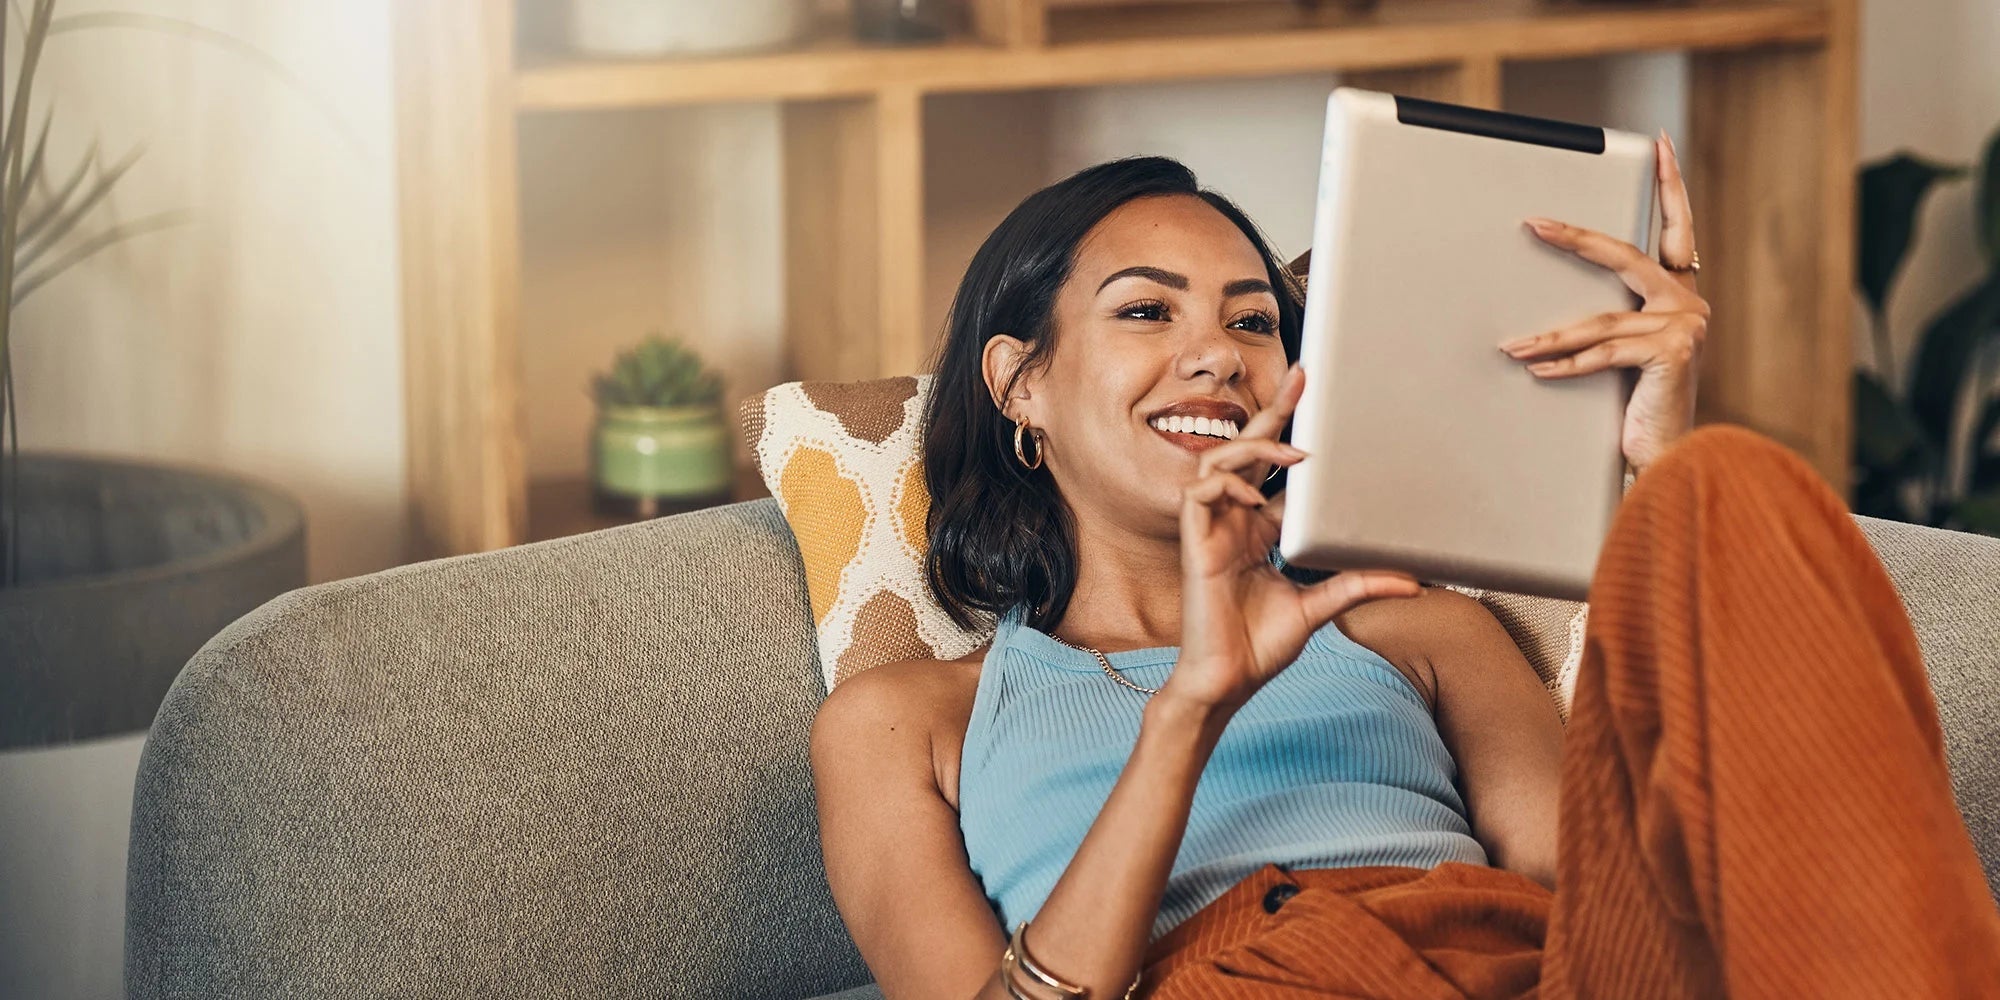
1950 585
570 769
578 769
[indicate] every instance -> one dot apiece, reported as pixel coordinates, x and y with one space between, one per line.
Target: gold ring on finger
1693 266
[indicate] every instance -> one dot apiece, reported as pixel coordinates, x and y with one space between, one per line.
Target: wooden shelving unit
1770 147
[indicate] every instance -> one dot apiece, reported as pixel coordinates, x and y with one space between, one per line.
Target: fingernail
1540 225
1516 344
1291 451
1542 367
1670 144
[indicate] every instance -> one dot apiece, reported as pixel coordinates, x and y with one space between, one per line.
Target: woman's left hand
1662 340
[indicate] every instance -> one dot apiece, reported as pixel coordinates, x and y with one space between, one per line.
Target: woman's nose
1214 353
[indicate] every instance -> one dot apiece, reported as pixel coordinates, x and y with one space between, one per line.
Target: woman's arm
897 864
890 840
1491 709
1497 719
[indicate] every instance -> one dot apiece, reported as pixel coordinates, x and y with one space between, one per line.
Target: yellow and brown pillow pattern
842 460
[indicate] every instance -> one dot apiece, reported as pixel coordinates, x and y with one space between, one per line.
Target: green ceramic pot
665 452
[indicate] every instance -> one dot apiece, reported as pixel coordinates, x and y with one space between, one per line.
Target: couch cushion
578 769
569 769
1950 585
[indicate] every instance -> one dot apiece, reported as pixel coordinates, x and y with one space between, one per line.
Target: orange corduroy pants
1754 800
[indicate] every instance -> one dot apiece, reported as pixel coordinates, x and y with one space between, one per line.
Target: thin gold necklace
1105 662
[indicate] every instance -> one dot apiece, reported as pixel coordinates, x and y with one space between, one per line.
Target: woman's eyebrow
1179 282
1165 277
1246 286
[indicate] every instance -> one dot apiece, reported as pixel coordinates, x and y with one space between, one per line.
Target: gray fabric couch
578 769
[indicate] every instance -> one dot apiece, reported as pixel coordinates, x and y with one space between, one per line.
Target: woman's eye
1151 311
1257 322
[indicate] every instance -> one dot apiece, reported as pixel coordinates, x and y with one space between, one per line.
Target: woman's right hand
1242 621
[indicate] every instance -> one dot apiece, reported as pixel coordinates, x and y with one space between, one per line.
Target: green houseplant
660 433
1914 459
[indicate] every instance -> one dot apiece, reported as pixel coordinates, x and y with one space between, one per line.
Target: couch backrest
578 769
570 769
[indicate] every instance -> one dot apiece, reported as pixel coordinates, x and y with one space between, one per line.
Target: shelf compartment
1429 33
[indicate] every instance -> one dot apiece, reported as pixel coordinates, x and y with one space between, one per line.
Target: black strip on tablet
1499 125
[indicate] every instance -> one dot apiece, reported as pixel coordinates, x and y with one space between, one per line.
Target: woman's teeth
1205 426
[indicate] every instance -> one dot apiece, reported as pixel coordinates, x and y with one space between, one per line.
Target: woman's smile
1199 424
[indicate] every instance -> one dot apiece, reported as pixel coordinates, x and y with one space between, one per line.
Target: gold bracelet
1015 960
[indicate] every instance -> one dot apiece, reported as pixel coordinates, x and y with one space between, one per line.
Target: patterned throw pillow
841 459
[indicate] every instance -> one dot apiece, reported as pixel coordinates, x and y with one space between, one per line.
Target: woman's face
1166 343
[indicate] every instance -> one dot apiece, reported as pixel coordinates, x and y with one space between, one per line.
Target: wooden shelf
1174 44
895 161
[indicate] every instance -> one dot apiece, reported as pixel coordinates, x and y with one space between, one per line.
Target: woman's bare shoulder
1412 632
1411 619
901 696
909 715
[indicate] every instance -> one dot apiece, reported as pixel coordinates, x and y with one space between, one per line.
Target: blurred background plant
658 373
44 231
1923 438
47 213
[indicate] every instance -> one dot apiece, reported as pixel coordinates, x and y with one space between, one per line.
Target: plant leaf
17 115
92 247
1887 439
1988 201
1979 513
1944 358
1985 455
31 175
1890 194
33 250
50 209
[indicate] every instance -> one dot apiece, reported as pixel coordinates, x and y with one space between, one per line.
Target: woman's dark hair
1001 535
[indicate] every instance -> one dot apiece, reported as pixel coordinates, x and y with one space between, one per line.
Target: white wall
262 338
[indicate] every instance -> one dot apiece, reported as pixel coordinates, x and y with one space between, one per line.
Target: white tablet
1430 450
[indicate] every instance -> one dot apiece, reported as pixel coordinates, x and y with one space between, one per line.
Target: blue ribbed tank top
1334 763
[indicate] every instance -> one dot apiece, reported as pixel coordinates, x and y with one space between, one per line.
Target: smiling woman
1000 533
1195 776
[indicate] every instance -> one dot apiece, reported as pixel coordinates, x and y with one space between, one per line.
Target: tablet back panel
1431 451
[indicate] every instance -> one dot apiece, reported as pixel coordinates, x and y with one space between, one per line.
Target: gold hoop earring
1020 429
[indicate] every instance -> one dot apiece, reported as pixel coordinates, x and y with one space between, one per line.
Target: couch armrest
1950 585
569 769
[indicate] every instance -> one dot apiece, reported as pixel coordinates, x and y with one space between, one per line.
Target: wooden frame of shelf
1771 148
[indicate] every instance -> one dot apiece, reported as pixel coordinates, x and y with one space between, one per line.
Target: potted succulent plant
660 433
